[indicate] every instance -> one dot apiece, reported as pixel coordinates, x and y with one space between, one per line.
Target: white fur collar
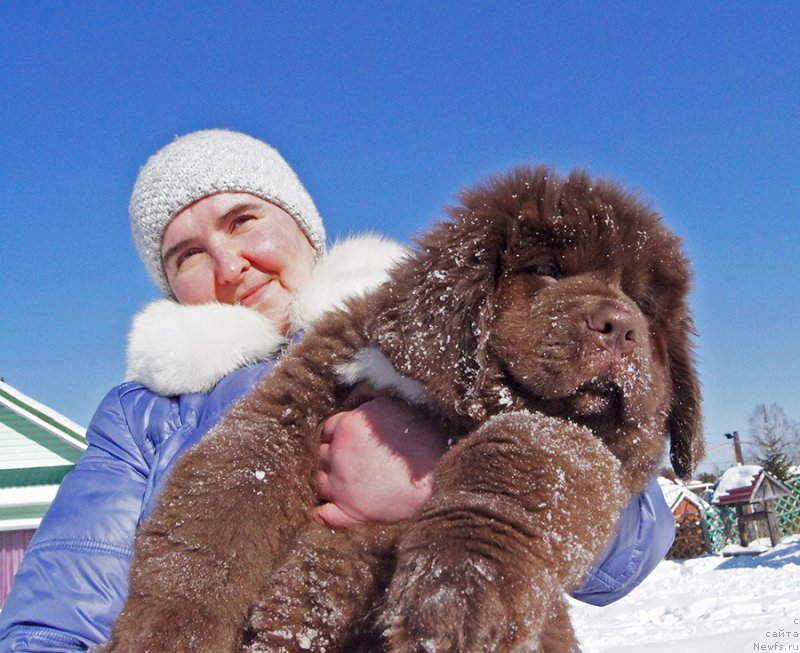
175 349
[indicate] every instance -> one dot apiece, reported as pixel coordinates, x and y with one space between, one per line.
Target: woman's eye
240 220
185 256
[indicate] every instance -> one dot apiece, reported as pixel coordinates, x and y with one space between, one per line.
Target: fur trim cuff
175 349
350 268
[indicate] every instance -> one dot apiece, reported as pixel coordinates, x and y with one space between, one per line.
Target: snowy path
705 605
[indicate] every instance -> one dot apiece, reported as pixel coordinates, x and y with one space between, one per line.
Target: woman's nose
229 267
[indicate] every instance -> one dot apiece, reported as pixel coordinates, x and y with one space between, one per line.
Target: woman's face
235 248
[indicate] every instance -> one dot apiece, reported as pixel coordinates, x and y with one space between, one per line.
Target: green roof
25 477
22 512
26 442
49 420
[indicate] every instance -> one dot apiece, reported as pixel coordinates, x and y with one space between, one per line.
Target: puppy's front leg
322 596
232 506
222 523
514 520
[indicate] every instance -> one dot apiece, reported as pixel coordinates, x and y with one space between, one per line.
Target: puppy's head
570 288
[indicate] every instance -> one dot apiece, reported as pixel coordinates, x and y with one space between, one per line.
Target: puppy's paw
463 605
283 629
192 631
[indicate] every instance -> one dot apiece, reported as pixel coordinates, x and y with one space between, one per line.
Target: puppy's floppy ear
687 446
440 306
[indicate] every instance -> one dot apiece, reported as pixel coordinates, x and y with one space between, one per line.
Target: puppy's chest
370 366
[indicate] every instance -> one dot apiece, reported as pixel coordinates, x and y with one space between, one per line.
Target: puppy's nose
615 328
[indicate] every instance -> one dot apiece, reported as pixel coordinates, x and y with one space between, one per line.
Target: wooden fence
718 526
690 539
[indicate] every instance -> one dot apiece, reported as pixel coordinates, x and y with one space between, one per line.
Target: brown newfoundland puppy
546 326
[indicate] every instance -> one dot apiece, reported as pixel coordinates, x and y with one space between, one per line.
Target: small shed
683 498
752 491
38 447
688 508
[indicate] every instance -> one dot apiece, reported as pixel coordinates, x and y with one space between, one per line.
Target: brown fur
490 315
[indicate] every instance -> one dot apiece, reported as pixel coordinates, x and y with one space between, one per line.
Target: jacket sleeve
644 535
74 577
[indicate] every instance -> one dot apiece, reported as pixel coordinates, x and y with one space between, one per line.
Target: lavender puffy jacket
73 580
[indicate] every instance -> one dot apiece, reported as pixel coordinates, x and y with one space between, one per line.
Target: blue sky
387 110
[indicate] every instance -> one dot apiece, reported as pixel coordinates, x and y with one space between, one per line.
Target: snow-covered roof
674 492
736 478
747 483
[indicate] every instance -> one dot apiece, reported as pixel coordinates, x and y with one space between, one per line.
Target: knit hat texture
205 163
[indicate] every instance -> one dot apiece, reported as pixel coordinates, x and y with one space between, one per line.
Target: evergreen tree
774 437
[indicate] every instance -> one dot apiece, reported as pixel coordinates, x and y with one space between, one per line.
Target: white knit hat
204 163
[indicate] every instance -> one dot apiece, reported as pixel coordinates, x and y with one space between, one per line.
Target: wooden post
741 521
772 524
737 447
709 548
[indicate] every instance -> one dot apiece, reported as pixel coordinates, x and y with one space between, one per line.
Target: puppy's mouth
593 403
597 398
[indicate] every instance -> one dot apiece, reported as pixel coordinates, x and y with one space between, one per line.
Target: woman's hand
377 464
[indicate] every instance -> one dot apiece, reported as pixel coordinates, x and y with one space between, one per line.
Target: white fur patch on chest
370 365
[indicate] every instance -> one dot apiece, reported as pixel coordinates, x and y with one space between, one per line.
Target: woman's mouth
253 295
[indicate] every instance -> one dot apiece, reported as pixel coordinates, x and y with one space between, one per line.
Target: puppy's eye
545 269
647 304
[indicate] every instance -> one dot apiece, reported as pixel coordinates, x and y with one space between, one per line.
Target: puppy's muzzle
616 329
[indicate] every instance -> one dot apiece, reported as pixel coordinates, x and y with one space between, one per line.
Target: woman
230 235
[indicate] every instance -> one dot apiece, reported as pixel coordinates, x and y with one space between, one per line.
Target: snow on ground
710 604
